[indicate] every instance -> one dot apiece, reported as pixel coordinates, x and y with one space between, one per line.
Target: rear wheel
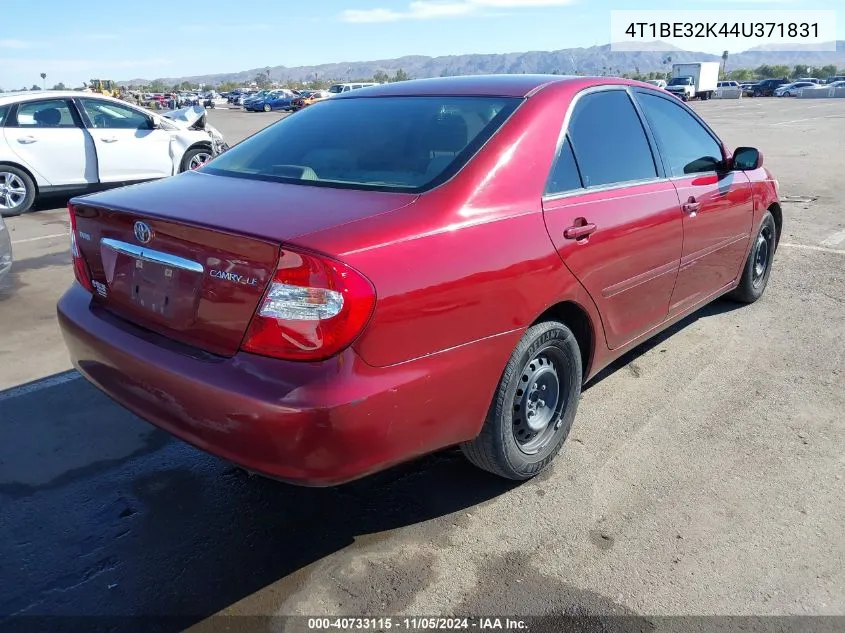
533 407
17 191
267 107
758 266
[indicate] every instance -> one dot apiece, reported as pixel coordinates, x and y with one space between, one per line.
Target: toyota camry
413 266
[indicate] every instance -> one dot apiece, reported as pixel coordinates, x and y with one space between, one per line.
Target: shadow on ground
107 516
166 529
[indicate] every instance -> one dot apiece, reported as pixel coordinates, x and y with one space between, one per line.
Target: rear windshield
383 143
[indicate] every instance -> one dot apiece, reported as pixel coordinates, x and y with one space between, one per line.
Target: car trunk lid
190 257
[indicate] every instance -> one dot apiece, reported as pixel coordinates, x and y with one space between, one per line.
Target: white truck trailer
695 80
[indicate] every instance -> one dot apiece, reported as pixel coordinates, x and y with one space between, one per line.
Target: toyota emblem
143 232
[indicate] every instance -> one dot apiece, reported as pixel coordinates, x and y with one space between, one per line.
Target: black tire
267 108
507 445
758 266
11 178
190 155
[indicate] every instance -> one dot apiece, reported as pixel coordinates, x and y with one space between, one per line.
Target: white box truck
698 79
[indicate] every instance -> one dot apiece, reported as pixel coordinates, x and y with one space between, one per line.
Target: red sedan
413 266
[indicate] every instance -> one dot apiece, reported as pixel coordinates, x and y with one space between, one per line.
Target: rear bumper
307 423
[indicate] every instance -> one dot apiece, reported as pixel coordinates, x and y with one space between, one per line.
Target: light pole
44 80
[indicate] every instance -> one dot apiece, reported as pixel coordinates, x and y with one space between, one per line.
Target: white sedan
69 142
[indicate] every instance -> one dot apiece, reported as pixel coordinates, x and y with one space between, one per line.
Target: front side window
50 113
608 139
685 144
386 143
105 114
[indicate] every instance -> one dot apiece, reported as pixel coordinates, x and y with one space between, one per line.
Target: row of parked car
773 87
789 88
286 99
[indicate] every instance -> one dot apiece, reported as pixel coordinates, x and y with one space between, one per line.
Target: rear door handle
26 140
579 232
108 139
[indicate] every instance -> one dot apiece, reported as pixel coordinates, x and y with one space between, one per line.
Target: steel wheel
12 190
538 402
762 254
198 160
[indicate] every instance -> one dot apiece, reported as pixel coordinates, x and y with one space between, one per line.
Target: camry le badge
143 232
238 279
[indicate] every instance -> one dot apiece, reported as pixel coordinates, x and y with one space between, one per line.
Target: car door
613 217
129 146
717 204
47 136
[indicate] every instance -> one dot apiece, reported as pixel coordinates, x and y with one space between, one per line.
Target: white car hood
188 116
185 117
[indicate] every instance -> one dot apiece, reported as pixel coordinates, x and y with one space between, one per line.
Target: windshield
681 81
386 143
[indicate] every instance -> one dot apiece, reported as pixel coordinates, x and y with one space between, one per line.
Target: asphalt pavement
703 475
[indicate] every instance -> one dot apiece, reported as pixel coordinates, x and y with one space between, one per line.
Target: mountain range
590 61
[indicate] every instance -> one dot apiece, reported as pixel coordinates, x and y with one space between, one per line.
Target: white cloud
17 44
430 9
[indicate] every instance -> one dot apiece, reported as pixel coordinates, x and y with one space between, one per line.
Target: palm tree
44 80
724 62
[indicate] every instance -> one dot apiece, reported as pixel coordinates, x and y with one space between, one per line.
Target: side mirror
747 159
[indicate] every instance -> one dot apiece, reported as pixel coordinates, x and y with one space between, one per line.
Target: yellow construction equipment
105 87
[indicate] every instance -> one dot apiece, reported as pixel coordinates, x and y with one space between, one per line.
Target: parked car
812 80
660 83
835 78
337 89
66 141
748 88
280 100
766 88
267 308
727 84
254 98
5 238
312 97
272 100
792 90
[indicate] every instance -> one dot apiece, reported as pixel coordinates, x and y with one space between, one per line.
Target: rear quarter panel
471 259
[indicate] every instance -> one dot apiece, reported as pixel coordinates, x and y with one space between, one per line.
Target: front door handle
108 139
579 232
26 140
691 206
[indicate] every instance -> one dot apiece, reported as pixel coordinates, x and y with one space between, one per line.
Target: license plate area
154 287
151 286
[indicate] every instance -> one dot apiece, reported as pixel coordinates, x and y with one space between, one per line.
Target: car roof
25 95
477 85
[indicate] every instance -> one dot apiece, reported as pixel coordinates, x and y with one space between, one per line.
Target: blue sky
74 41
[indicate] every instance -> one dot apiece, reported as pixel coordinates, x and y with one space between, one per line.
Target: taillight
80 268
314 308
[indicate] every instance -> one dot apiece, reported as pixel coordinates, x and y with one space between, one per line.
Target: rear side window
4 112
50 113
685 144
608 139
384 143
564 175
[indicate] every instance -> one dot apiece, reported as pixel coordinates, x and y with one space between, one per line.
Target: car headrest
48 116
445 133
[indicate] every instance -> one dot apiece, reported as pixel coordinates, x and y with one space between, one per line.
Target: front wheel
267 107
195 158
758 266
17 191
533 407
